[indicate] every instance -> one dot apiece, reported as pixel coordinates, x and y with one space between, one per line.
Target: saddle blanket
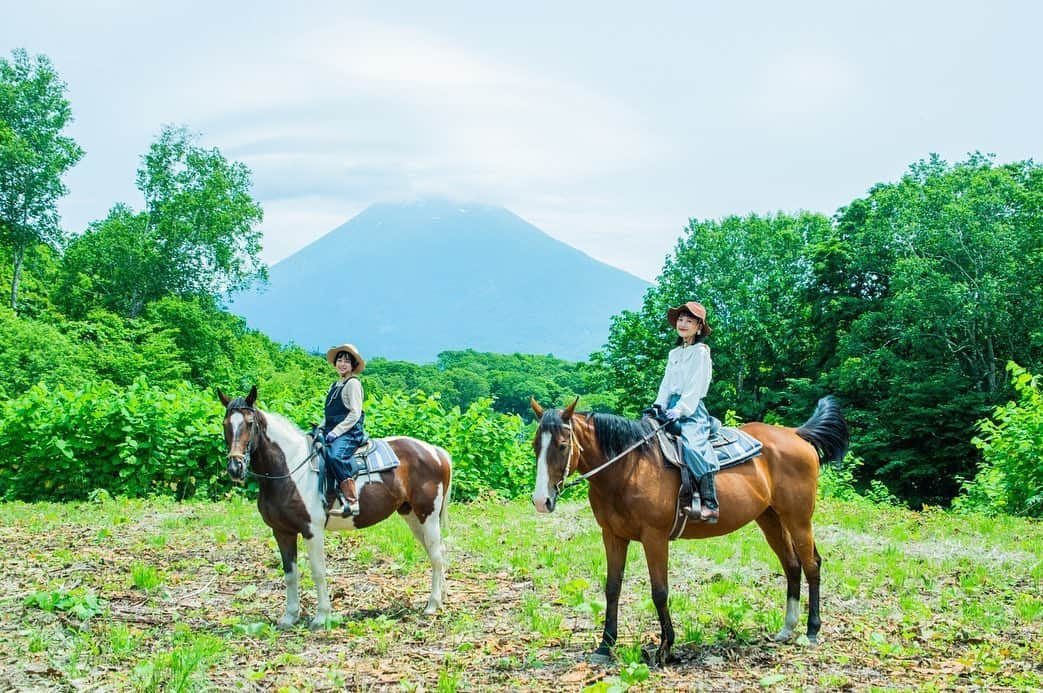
375 456
731 445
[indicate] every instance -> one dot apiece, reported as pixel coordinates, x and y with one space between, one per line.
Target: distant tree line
907 304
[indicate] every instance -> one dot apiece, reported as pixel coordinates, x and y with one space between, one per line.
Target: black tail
826 430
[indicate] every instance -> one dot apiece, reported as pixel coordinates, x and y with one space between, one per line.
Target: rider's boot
692 509
351 499
708 488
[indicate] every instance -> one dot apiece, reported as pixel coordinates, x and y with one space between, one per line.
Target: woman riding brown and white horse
274 451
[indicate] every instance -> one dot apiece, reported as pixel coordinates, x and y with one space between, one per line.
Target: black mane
616 433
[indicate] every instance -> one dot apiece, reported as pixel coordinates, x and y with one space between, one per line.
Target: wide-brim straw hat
693 307
360 363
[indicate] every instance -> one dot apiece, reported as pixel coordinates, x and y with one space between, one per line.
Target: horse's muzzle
545 505
236 469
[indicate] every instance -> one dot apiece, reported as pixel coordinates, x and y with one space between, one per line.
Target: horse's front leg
616 559
316 547
657 553
287 542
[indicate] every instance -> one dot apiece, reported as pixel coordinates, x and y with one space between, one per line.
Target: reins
583 477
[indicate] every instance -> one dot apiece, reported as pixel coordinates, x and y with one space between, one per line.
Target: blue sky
606 124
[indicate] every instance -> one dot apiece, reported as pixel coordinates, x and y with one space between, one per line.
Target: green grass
525 603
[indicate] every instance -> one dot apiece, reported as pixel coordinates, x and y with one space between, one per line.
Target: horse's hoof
285 623
784 635
600 656
808 640
319 623
431 609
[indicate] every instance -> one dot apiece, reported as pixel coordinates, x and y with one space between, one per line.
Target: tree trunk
990 364
19 255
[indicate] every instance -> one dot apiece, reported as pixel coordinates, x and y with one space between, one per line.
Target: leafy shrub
485 445
140 440
63 443
1010 479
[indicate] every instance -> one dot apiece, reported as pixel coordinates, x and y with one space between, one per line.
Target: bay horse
635 499
273 450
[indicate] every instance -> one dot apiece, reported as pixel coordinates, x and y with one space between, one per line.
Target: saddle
368 460
732 446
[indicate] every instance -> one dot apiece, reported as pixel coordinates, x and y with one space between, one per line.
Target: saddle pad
731 445
734 446
376 456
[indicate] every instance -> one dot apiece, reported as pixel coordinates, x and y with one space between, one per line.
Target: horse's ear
536 408
567 414
225 399
252 397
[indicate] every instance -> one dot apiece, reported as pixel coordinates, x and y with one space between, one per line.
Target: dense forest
919 305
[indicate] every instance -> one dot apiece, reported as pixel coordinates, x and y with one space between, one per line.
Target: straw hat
360 363
695 309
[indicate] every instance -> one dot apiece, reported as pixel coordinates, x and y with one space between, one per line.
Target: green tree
33 156
926 284
752 274
197 237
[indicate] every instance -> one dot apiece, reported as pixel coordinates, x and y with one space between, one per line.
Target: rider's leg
708 489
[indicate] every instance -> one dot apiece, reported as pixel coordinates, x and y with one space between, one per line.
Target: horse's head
242 426
555 448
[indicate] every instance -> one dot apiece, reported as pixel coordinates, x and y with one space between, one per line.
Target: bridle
255 429
574 443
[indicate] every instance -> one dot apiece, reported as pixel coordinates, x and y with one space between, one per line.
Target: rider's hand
330 437
673 414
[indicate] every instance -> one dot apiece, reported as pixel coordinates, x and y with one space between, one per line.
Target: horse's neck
592 457
281 446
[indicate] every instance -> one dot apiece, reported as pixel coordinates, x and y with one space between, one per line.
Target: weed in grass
37 641
82 604
122 641
629 654
145 577
1029 608
834 682
449 676
540 617
633 673
180 668
257 629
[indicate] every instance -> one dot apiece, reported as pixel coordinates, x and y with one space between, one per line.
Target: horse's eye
563 446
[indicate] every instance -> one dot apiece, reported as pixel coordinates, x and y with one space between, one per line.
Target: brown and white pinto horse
635 499
272 449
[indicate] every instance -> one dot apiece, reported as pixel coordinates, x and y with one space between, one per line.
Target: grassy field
125 595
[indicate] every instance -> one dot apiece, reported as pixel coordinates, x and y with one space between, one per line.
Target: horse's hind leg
780 542
287 542
429 534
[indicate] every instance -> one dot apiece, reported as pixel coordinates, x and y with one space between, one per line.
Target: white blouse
689 370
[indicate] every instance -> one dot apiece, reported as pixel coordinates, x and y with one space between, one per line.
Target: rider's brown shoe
709 515
347 488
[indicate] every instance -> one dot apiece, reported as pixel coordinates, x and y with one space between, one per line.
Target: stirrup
346 508
694 514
